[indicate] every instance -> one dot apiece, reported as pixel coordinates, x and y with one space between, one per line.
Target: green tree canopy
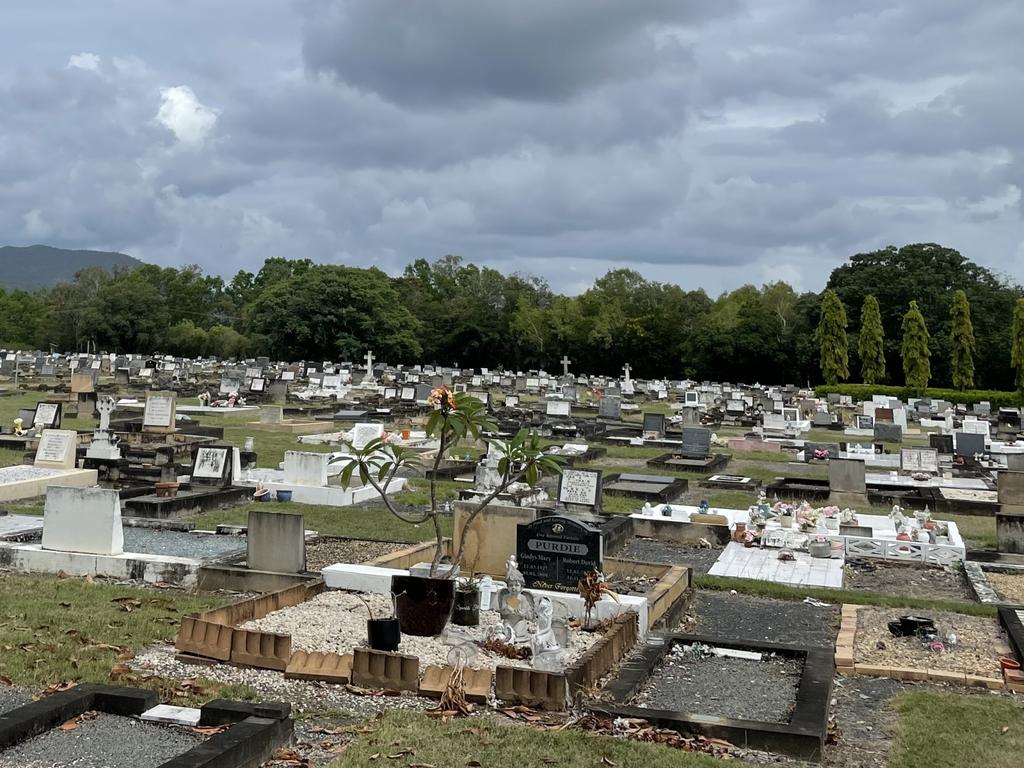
1017 350
914 350
832 342
871 344
962 333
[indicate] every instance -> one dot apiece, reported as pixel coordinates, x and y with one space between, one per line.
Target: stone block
204 638
377 669
873 670
263 650
83 520
486 539
477 683
943 676
328 667
276 542
1010 487
846 476
982 681
305 468
909 674
516 685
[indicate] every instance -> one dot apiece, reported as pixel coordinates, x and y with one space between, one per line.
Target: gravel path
880 577
324 552
1010 586
979 643
743 689
654 551
335 622
12 698
741 617
305 696
108 741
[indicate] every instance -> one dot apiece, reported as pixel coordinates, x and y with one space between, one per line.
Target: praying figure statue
515 605
543 644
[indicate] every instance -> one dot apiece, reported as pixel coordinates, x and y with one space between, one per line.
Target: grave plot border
680 463
802 737
1011 618
846 662
799 488
724 485
255 729
676 488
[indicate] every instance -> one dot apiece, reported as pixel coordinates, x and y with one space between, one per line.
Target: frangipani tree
456 417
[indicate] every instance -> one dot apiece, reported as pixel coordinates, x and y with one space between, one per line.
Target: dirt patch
979 643
754 619
654 551
320 554
885 578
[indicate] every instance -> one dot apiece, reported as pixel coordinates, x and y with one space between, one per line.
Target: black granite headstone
941 443
555 552
696 442
654 422
968 444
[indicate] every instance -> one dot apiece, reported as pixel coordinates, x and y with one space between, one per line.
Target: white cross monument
565 365
368 379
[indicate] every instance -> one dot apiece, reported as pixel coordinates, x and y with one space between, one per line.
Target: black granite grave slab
1011 619
802 737
651 488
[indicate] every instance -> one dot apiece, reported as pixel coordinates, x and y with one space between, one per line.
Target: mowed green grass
405 739
57 630
954 730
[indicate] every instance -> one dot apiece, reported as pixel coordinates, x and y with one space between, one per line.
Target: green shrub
998 399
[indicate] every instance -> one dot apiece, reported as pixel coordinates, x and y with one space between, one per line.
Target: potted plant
819 546
424 604
383 634
466 612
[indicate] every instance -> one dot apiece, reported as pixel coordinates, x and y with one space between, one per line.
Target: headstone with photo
47 415
212 465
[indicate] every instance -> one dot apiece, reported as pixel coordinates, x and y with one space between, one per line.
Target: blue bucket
284 495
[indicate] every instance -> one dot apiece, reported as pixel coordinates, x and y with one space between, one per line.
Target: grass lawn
355 522
980 530
838 596
953 730
490 743
55 630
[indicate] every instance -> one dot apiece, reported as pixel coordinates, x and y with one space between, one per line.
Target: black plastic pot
423 604
383 634
467 608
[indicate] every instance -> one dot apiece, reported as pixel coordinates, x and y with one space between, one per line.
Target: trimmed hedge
997 398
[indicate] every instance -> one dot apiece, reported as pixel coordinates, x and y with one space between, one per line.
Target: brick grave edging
803 736
846 663
553 690
256 729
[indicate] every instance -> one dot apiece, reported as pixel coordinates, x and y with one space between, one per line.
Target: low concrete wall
679 533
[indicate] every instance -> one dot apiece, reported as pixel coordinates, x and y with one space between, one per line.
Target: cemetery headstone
561 408
968 444
579 488
160 411
919 460
211 465
56 449
696 442
654 423
609 408
886 432
276 542
555 552
364 433
83 520
47 415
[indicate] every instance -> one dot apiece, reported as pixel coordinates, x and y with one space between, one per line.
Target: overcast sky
708 143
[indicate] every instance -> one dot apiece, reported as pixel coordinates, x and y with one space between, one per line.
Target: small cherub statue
515 605
543 644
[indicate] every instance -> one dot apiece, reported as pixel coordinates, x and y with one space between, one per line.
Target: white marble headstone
83 520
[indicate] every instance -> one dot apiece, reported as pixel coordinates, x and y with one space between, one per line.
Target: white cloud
184 115
36 224
84 60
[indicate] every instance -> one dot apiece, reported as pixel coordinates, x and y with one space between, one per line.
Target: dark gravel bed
12 698
320 554
654 551
741 617
885 578
743 689
108 741
179 544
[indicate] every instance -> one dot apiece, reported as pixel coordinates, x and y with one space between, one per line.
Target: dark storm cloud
710 143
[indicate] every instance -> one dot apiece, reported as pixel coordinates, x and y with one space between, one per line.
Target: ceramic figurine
543 644
515 604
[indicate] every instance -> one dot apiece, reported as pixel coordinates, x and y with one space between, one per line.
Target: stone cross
565 365
105 406
369 363
626 369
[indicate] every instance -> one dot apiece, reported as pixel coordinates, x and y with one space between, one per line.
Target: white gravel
335 622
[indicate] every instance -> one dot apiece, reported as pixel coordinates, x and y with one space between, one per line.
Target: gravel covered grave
653 551
1010 586
328 551
742 689
107 741
907 580
200 546
977 650
335 622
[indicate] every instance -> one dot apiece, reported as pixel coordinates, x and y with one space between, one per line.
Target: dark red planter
423 605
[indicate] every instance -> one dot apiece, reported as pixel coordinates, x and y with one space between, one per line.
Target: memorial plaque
555 552
558 408
580 487
210 463
364 433
257 385
696 442
512 401
159 410
791 414
691 398
56 449
919 460
866 422
884 415
408 393
47 416
654 422
287 375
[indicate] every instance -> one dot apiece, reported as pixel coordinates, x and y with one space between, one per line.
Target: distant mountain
40 266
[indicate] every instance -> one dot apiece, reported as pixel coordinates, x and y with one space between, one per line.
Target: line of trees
451 311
